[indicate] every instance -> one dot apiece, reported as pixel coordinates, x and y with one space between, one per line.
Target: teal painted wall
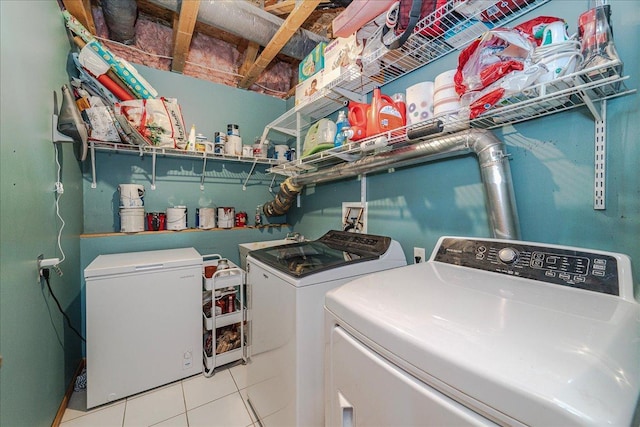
40 353
210 107
551 163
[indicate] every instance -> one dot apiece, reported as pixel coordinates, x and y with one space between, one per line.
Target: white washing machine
286 286
486 332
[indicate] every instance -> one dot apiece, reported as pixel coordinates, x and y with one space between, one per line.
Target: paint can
233 129
241 219
131 220
205 218
156 221
177 218
131 195
226 217
233 146
247 151
280 152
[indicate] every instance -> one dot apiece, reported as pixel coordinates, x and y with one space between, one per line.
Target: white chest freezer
143 321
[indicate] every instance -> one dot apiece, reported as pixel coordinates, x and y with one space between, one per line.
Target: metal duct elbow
120 16
492 159
248 21
283 201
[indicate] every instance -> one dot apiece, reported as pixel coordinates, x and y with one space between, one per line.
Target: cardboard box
312 63
340 57
306 89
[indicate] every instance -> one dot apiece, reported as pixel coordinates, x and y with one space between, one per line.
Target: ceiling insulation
195 41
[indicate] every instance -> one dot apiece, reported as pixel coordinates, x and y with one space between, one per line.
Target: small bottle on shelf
220 303
342 125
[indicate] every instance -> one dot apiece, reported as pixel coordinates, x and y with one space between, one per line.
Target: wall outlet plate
354 217
419 255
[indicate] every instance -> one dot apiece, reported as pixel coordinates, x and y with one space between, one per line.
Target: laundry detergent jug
357 120
384 114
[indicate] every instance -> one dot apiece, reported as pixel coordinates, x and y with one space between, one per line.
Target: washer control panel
575 268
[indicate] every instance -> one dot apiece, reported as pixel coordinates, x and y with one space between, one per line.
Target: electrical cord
45 274
59 193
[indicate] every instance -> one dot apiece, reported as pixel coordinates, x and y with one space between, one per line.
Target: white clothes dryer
286 286
487 332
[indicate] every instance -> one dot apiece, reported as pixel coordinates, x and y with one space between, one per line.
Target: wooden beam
250 56
81 10
289 27
183 32
284 7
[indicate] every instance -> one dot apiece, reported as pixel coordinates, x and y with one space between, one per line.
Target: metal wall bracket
600 160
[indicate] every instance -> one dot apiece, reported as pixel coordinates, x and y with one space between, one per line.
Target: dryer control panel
594 271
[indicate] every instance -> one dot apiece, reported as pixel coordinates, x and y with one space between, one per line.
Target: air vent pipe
248 21
492 158
120 17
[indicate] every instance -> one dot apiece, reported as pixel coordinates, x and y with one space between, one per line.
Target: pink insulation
208 58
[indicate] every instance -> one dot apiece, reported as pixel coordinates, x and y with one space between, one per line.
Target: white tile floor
195 401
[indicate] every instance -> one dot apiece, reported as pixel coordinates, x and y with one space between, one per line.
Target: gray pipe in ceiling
492 158
120 17
248 21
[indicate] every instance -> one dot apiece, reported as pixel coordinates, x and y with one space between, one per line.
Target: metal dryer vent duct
492 158
120 17
248 21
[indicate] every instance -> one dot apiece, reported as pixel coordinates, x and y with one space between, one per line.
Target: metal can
241 219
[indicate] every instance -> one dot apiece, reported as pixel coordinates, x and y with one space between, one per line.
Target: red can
241 219
156 221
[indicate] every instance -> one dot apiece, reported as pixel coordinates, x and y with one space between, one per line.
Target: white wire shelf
380 66
155 152
583 88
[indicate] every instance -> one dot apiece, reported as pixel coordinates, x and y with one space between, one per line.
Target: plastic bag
159 121
491 57
499 52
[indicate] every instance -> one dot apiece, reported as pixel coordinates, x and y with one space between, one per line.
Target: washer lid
539 353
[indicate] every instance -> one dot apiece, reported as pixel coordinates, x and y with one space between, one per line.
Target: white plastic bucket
206 218
226 217
131 220
131 195
419 102
177 218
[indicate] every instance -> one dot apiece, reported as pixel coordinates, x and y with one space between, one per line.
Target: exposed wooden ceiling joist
250 56
284 7
81 10
297 17
183 32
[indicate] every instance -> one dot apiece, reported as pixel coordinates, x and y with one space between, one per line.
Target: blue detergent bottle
342 125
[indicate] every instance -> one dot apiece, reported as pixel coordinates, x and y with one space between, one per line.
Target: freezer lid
132 262
540 353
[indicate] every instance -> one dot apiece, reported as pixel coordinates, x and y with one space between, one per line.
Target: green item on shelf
319 137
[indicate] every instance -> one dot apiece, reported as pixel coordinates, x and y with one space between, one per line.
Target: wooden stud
297 17
183 33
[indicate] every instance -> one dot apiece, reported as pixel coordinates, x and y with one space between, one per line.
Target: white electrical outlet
418 255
